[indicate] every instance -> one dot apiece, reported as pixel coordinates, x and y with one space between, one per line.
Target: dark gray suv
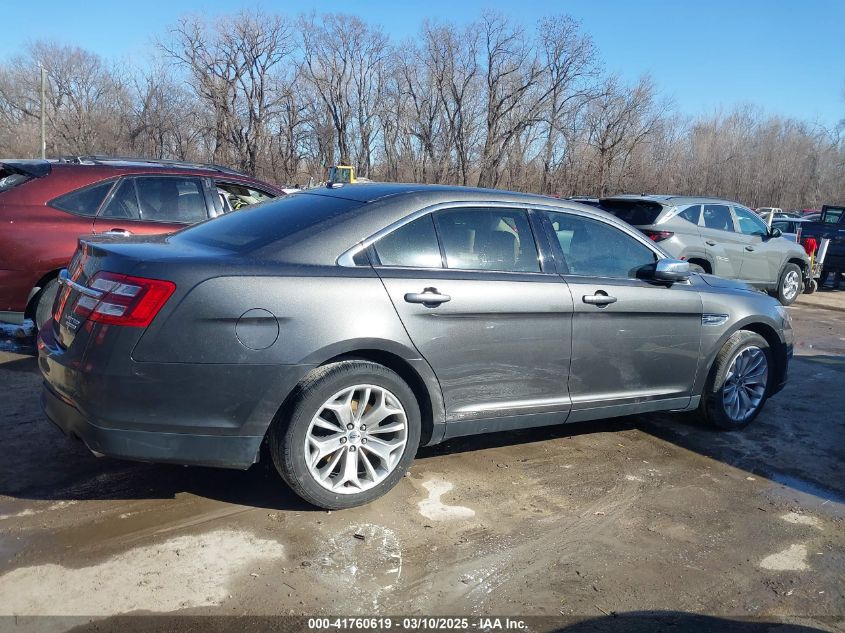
720 237
347 326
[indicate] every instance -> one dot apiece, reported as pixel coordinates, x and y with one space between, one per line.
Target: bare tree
618 120
570 60
232 68
486 102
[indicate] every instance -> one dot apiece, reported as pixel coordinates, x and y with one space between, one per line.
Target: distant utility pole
43 112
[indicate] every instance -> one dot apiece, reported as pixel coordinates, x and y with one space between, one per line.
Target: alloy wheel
745 384
791 284
356 439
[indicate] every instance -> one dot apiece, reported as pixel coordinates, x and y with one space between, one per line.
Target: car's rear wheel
789 285
351 433
738 384
44 302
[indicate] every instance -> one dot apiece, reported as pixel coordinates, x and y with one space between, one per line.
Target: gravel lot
650 514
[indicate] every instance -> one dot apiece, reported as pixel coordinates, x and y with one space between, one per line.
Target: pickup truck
830 225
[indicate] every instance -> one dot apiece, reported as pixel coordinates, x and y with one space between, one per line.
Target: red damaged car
46 205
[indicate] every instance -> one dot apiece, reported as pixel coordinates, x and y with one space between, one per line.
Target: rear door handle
122 232
429 297
709 243
599 299
750 249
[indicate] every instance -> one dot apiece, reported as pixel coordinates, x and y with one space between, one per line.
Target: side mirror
671 270
776 232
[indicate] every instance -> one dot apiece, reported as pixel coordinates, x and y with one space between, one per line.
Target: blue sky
786 56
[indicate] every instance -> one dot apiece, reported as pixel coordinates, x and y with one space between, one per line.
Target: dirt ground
651 515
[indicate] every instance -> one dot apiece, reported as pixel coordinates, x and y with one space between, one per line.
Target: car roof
375 206
665 199
372 192
135 162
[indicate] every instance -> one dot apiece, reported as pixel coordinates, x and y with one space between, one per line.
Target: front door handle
599 299
710 243
750 249
122 232
429 297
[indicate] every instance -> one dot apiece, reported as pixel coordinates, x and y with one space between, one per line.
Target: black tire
783 294
44 303
287 435
712 408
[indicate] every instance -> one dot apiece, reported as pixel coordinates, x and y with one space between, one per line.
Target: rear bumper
181 413
226 451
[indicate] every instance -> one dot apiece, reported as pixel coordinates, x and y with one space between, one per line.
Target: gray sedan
347 326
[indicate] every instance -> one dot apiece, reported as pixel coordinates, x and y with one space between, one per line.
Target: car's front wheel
351 433
738 384
789 284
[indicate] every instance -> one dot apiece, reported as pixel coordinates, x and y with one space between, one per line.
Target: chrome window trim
346 258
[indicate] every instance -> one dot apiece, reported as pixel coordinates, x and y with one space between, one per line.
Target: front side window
171 199
595 249
413 245
783 226
749 223
488 239
718 216
236 196
83 201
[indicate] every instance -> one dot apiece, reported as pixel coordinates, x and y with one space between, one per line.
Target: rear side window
636 212
124 203
83 201
413 245
488 239
691 214
718 216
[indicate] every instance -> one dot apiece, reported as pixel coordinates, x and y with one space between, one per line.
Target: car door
153 204
478 305
725 248
763 255
635 342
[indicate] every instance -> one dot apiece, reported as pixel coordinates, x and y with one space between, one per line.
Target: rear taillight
125 300
658 236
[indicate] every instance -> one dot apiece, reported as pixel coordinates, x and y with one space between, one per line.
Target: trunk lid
114 268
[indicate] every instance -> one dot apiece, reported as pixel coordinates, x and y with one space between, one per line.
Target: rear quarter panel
314 318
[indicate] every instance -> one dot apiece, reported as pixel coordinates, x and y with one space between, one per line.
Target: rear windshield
257 226
832 215
636 212
10 178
